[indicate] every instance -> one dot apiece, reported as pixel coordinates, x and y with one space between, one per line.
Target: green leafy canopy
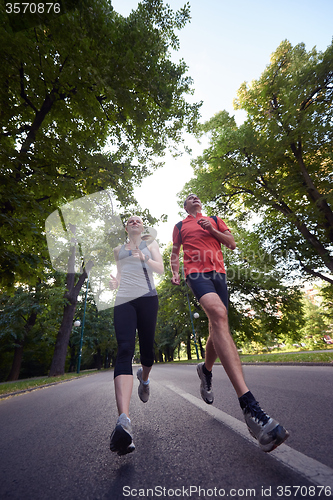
278 163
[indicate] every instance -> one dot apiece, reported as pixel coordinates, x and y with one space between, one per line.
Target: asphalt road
55 441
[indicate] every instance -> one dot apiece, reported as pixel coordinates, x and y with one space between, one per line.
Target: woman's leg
147 317
123 385
125 321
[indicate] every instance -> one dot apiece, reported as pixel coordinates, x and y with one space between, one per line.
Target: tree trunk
113 356
202 350
60 350
168 353
318 198
73 361
107 359
188 347
18 352
16 366
98 359
72 292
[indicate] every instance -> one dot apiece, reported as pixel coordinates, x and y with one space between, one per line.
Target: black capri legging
138 314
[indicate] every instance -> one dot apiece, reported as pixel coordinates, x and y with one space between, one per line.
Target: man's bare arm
226 238
174 261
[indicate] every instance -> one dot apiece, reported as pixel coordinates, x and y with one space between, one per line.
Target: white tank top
136 277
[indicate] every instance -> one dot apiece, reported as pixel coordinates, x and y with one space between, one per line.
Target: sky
226 43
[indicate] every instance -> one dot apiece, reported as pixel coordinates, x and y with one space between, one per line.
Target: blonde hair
137 216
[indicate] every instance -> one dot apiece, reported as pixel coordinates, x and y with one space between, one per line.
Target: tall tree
263 305
88 79
315 323
87 101
29 323
278 164
18 319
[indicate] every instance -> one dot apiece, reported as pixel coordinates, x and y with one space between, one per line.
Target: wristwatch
147 258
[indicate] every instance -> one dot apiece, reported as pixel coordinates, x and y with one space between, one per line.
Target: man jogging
201 238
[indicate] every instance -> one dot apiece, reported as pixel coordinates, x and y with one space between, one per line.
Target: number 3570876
33 8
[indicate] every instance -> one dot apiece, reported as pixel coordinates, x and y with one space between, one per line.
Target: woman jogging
135 309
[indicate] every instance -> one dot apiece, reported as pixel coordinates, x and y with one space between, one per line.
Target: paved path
55 441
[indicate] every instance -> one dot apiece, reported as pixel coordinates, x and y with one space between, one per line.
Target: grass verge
7 388
290 357
279 357
34 383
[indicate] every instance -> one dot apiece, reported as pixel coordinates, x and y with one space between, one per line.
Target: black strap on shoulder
145 272
144 267
179 226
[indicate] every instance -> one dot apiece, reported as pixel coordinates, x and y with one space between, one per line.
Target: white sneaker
121 440
268 432
206 390
143 389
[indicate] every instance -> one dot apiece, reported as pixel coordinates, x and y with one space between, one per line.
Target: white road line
309 468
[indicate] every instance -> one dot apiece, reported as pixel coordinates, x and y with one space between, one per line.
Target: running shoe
143 389
206 385
268 432
121 440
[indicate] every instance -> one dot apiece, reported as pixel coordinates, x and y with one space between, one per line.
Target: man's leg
265 429
210 353
222 342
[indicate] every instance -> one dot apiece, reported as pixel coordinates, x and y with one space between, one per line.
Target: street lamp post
196 315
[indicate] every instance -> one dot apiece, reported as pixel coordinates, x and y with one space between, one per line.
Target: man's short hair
191 194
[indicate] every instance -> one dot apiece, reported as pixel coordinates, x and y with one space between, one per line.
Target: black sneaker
206 385
268 432
121 440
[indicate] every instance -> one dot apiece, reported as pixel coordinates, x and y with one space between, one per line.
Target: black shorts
202 283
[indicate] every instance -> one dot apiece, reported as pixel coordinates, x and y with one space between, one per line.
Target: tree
315 325
318 315
326 293
278 164
86 80
263 306
29 322
88 101
18 319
